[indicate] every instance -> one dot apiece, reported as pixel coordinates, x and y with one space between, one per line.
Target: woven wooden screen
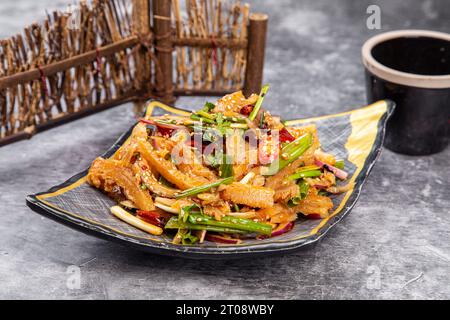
109 52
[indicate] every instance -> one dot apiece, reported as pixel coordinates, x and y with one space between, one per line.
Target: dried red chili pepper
246 110
154 217
285 136
313 216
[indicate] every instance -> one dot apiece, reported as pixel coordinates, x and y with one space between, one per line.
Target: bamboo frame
52 74
163 48
75 61
255 53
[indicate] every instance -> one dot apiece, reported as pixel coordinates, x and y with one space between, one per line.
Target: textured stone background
399 230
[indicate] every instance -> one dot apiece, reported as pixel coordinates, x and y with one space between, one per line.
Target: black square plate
356 136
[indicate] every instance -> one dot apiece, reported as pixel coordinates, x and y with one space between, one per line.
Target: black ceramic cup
412 68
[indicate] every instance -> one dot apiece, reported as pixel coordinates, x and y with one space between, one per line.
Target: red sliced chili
153 217
285 136
163 129
246 110
313 216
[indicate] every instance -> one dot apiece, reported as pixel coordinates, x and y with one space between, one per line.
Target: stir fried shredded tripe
228 172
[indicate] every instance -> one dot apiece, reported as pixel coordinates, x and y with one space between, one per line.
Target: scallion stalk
175 223
340 164
261 121
232 222
303 192
187 210
238 126
234 119
208 106
258 103
185 237
304 188
290 153
226 168
205 114
196 190
196 117
306 172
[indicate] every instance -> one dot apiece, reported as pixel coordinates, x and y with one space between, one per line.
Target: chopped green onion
304 188
234 119
205 114
198 118
175 223
290 153
223 127
261 121
239 126
226 168
200 189
308 172
194 117
232 222
186 211
303 192
292 147
340 164
293 201
259 102
219 118
209 106
164 121
187 237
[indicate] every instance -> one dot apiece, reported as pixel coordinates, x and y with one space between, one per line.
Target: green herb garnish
232 222
258 103
226 168
196 190
290 153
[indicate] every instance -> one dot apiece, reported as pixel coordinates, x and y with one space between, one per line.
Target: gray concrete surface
395 243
